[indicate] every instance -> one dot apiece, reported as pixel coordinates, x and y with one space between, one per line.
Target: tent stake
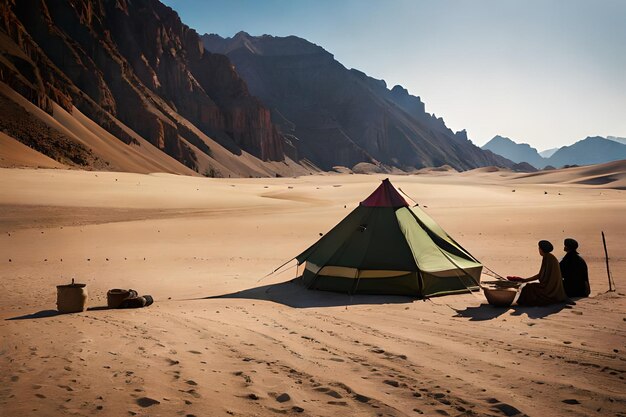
606 257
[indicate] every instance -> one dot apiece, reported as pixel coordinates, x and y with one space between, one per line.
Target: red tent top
385 195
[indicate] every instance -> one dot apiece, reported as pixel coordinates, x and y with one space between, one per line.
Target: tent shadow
489 312
293 294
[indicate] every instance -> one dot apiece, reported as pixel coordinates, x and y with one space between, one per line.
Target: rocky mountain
136 70
523 167
516 152
336 116
125 85
591 150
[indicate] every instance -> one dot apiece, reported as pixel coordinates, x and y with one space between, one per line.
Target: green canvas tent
385 246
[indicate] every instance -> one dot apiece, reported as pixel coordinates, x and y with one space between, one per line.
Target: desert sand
222 338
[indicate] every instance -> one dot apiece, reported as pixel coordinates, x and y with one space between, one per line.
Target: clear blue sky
544 72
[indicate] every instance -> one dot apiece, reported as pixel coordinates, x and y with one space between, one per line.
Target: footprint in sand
334 394
571 401
329 391
362 398
191 392
244 376
284 397
147 402
507 409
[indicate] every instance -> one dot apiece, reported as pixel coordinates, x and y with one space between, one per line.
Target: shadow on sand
38 315
489 312
294 294
51 313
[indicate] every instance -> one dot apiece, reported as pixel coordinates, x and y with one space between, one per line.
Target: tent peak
386 195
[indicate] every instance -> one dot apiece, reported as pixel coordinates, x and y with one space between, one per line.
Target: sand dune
486 170
120 157
14 154
442 170
142 156
223 340
608 175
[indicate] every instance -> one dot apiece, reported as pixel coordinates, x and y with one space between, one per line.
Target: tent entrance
362 281
354 273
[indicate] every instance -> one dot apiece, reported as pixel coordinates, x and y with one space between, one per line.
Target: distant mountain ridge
591 150
516 152
335 116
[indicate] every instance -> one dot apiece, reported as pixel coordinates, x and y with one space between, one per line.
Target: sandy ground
270 346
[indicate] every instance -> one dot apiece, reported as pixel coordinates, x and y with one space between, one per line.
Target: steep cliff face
340 116
132 62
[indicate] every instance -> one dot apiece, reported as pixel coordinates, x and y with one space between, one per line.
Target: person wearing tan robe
549 289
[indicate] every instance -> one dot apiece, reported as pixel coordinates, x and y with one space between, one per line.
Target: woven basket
117 295
71 298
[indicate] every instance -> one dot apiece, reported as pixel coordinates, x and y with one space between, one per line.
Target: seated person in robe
574 271
549 289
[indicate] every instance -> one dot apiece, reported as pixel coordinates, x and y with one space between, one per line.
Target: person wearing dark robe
549 289
574 271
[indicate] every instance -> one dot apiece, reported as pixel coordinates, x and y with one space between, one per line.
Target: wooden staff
606 257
